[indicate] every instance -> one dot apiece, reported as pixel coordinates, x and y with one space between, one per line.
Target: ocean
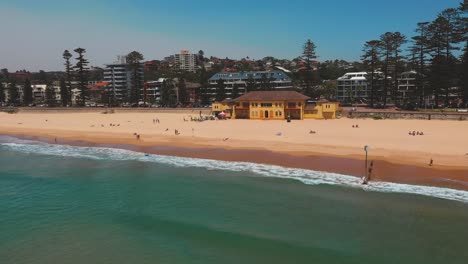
65 204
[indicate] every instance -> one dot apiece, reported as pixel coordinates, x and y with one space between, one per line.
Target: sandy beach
335 146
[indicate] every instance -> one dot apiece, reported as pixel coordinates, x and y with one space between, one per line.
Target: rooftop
276 75
272 96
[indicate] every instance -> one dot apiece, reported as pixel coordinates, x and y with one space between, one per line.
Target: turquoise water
80 205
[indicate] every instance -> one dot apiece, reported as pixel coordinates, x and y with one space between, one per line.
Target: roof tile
272 96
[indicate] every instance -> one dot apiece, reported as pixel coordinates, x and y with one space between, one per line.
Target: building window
266 104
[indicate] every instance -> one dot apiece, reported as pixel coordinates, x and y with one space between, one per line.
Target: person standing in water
369 173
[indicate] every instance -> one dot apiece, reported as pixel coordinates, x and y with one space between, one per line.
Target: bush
108 112
11 110
377 118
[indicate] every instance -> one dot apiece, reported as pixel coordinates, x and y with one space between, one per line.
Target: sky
35 33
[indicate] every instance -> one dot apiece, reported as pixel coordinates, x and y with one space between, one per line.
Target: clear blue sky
34 33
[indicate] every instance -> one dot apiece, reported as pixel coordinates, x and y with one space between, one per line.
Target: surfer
367 178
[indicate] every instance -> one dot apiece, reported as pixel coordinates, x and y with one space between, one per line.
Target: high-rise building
186 61
119 76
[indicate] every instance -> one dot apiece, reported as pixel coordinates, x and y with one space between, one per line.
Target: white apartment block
352 85
407 87
279 80
185 61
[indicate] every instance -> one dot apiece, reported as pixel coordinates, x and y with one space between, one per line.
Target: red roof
102 84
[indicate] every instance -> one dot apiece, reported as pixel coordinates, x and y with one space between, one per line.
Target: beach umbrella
222 114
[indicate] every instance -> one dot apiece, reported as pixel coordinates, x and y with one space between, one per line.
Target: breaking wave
309 177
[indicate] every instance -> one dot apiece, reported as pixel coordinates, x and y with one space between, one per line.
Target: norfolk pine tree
28 93
134 59
66 93
82 72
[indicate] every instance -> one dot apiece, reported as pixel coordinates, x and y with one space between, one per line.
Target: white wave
309 177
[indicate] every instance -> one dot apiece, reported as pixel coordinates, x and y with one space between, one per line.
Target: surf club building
276 105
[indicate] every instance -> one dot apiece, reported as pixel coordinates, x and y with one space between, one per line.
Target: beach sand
335 147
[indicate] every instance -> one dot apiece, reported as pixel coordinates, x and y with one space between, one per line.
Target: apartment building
277 80
152 91
185 61
407 87
119 77
352 86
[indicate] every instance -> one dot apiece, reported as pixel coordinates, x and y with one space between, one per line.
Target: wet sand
383 170
336 147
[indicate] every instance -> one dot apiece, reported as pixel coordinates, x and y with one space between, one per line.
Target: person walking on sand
431 162
55 140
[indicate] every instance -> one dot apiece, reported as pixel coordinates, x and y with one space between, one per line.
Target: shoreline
337 145
384 171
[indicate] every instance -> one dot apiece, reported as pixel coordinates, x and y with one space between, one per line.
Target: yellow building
276 105
321 109
270 105
223 106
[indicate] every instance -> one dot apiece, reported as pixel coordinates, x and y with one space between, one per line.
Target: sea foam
309 177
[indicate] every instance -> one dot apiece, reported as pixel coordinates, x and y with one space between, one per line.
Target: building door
266 114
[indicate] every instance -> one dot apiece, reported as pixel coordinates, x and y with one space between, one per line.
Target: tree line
431 53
